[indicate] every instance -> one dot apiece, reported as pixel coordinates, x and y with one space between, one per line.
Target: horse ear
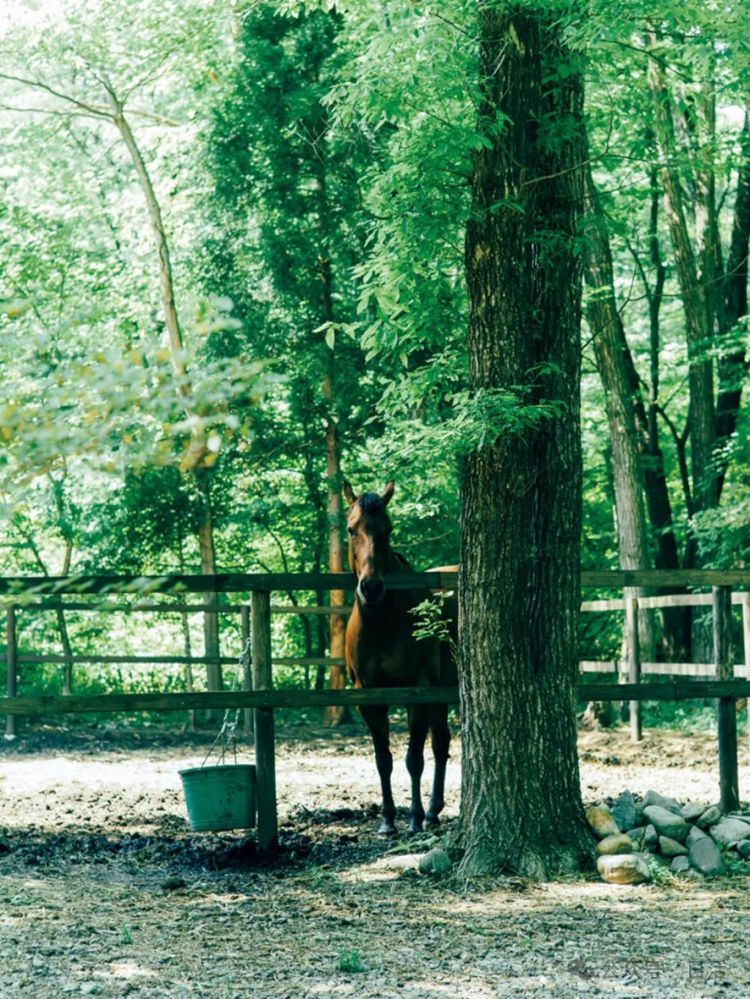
351 499
388 492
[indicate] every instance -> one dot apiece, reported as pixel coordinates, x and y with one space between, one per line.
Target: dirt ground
104 891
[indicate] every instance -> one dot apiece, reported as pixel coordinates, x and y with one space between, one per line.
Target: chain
226 740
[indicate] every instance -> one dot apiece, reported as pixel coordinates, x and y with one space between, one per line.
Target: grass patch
351 963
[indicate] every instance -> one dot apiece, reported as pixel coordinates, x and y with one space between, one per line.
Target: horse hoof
414 827
387 828
432 820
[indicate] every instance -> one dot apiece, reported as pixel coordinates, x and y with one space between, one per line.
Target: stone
617 843
636 837
435 861
710 817
729 831
703 853
692 811
743 848
680 864
623 810
654 798
667 823
650 839
694 835
669 847
623 869
600 819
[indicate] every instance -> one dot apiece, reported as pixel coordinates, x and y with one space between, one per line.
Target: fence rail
712 680
14 586
53 704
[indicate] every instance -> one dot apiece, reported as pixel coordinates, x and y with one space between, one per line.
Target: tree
286 190
519 588
671 86
92 70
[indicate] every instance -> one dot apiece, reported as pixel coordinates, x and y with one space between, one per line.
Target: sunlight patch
387 868
128 970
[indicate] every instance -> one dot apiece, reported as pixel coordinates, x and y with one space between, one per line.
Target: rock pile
685 837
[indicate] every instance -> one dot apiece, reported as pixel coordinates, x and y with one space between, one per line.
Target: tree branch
93 110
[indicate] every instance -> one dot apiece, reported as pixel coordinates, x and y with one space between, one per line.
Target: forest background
233 269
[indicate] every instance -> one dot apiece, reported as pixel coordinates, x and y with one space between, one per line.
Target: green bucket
220 797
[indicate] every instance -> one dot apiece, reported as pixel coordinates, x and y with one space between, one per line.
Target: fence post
634 663
265 750
746 644
247 679
11 663
726 710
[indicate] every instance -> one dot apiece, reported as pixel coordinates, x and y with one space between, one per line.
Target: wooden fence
719 679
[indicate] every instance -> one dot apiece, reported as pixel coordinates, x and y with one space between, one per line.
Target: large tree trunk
519 590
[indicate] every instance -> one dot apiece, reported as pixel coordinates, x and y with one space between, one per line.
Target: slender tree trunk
187 645
612 354
676 635
198 449
169 307
636 453
63 626
519 591
322 629
732 361
57 486
334 715
212 647
698 325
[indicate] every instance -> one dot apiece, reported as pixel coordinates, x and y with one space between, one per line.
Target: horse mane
403 563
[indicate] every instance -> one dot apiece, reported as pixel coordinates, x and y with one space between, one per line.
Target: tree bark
334 714
169 308
519 591
211 642
638 465
698 325
732 363
611 351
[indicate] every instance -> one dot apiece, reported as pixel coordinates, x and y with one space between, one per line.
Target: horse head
369 528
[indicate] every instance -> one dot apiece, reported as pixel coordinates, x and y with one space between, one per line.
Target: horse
381 651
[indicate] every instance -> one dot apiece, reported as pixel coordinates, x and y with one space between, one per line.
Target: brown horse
381 651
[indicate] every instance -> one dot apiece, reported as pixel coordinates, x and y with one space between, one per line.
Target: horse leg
376 718
441 737
419 723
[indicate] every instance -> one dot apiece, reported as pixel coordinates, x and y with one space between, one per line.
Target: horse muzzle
371 590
